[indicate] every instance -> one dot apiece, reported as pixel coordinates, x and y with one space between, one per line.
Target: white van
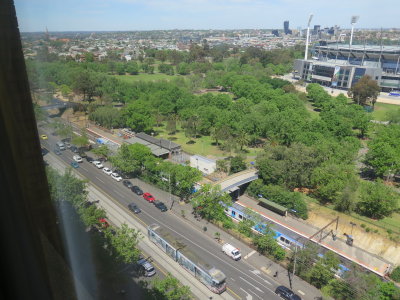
60 146
231 251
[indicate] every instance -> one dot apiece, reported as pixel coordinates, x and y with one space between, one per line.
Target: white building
203 164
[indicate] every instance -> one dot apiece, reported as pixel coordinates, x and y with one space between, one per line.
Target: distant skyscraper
275 32
317 29
286 29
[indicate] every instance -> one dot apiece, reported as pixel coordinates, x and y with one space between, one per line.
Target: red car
149 197
104 223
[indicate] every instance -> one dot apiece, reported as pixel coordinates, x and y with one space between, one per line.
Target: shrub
395 275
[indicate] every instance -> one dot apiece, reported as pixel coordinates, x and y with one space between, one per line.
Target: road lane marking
248 296
257 273
301 292
118 193
250 254
232 292
85 169
99 179
256 287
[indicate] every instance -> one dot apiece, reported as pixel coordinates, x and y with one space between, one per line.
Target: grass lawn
381 109
145 77
202 145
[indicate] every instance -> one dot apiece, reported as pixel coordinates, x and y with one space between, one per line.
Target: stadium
341 65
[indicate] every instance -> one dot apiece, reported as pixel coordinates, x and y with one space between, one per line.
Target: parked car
74 149
134 208
286 293
58 152
102 159
89 159
149 197
116 176
77 158
127 183
160 205
137 190
146 267
74 164
98 164
68 145
107 171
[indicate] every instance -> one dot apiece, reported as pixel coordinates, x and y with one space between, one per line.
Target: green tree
266 243
132 68
330 179
169 288
320 275
237 164
377 200
130 158
125 242
138 116
365 91
80 140
207 202
384 151
102 151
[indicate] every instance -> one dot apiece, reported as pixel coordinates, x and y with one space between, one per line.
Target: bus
394 93
211 277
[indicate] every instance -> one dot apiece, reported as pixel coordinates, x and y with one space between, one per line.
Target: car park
107 171
74 164
286 293
98 164
77 158
146 267
137 190
116 176
134 208
149 197
160 205
43 137
127 183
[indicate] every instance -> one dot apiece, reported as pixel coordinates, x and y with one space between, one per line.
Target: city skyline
127 15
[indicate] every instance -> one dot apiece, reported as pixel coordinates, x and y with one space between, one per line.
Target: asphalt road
243 281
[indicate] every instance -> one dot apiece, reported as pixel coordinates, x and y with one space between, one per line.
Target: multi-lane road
243 280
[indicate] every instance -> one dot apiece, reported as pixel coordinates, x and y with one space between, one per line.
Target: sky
122 15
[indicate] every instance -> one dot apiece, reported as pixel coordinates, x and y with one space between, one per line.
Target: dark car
102 159
74 164
82 154
137 190
134 208
74 149
160 205
286 293
89 159
127 183
58 152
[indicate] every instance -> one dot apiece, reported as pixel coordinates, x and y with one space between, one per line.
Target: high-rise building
275 32
286 29
317 29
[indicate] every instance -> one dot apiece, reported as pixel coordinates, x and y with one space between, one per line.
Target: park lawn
381 109
203 145
145 77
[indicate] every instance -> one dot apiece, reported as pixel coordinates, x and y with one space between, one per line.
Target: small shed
203 164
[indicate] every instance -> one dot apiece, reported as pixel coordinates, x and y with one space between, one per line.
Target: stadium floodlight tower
353 21
308 36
